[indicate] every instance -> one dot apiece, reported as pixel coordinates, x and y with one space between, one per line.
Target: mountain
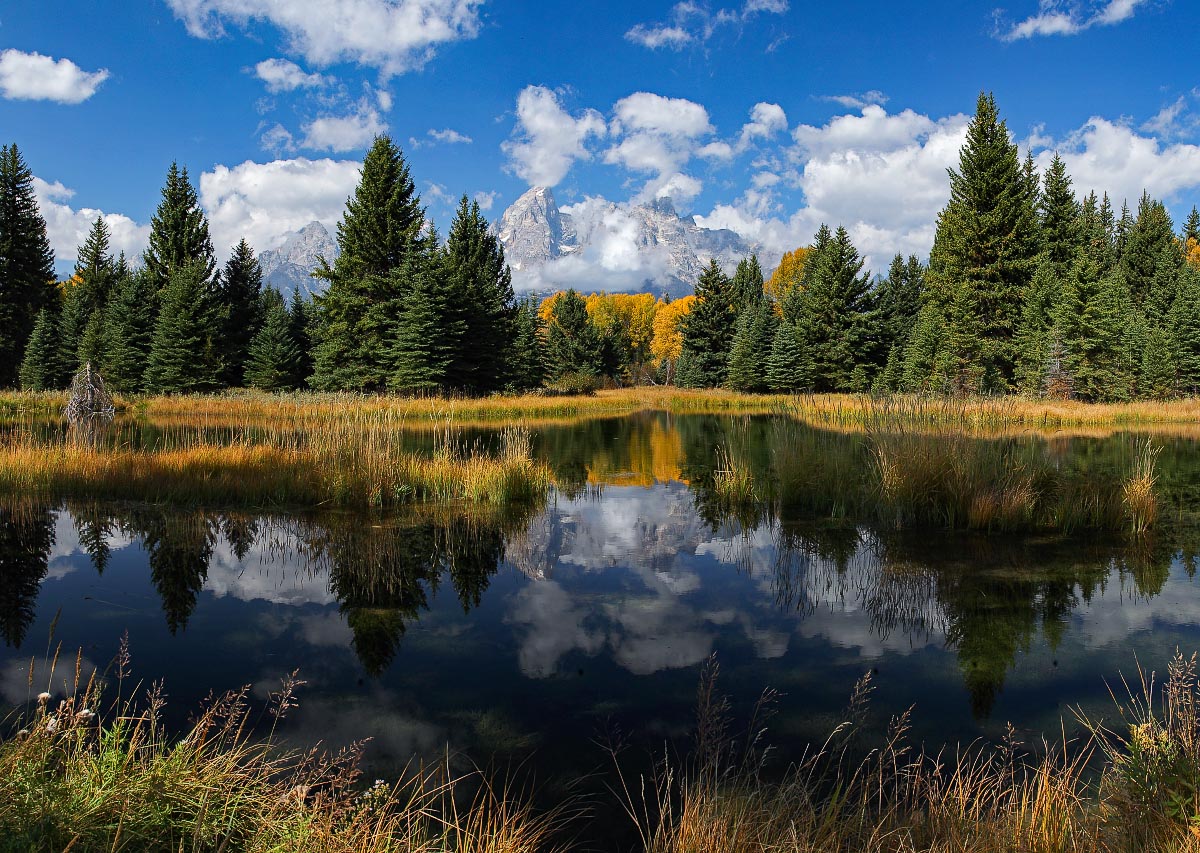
599 245
289 268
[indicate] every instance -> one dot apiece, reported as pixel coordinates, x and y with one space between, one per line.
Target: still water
536 635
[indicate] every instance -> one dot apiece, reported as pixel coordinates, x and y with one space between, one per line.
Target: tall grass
351 461
73 778
903 799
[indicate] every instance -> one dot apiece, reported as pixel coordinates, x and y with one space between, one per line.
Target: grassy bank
347 462
75 779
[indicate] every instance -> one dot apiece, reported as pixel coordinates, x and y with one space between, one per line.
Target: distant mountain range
289 268
593 245
601 245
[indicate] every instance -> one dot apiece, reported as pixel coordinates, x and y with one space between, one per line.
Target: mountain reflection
636 562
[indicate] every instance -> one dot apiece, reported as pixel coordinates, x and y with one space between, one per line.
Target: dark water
530 636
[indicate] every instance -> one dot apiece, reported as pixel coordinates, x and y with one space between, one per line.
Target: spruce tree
572 344
1184 326
984 255
1158 377
91 342
424 340
302 319
789 369
242 310
272 356
184 354
748 284
1191 227
708 329
1151 258
898 301
836 312
527 361
128 331
382 225
753 340
178 233
26 262
481 303
1059 217
40 368
1037 319
1088 323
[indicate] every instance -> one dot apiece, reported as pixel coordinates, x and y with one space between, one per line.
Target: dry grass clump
75 779
1141 503
346 462
898 799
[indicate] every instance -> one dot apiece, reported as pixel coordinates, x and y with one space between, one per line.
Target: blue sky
766 116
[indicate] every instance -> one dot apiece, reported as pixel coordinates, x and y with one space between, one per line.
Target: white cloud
1171 121
858 101
450 137
283 75
692 23
1109 157
392 35
278 140
68 227
486 200
34 77
651 113
550 140
349 132
264 201
766 120
1066 18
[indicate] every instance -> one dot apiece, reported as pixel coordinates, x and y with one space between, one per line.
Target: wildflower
52 725
85 715
43 697
23 733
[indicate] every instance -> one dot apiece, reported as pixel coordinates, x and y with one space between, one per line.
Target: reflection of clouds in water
16 689
650 633
555 627
395 736
1116 611
629 526
273 569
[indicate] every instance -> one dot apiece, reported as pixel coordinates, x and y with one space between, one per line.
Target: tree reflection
26 537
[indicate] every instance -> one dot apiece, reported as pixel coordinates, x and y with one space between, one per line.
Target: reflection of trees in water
179 546
26 537
989 598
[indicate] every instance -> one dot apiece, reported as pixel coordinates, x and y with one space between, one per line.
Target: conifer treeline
1027 290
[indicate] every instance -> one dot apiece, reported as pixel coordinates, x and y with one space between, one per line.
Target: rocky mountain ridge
289 268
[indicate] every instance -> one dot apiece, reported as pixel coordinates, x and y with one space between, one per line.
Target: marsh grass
75 778
341 462
853 794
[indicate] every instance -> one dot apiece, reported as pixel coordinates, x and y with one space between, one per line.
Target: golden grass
74 778
356 462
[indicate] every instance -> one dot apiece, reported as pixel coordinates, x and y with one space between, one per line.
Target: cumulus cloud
691 23
486 200
340 133
549 139
392 35
264 201
67 226
1172 121
283 75
34 77
1068 17
859 100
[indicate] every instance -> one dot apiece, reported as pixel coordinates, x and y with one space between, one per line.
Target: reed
1140 500
73 778
345 462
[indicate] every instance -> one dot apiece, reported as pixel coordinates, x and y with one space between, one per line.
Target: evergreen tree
527 362
924 369
1151 258
41 368
128 331
753 341
1034 332
1060 217
26 262
789 369
1088 327
302 320
91 342
481 302
898 301
179 233
1191 228
1184 325
984 255
572 344
241 308
425 335
184 352
836 313
271 358
382 224
890 379
708 329
1158 379
86 295
748 284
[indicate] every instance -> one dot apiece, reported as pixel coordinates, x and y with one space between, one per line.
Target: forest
1028 290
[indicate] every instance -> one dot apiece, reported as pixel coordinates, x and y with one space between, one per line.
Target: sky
768 117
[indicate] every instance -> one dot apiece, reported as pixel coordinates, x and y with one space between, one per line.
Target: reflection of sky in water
600 617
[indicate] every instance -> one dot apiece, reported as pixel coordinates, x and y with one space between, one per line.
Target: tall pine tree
26 261
272 356
708 330
184 353
178 233
128 331
241 307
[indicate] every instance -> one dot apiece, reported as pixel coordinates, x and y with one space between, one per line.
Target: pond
535 635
